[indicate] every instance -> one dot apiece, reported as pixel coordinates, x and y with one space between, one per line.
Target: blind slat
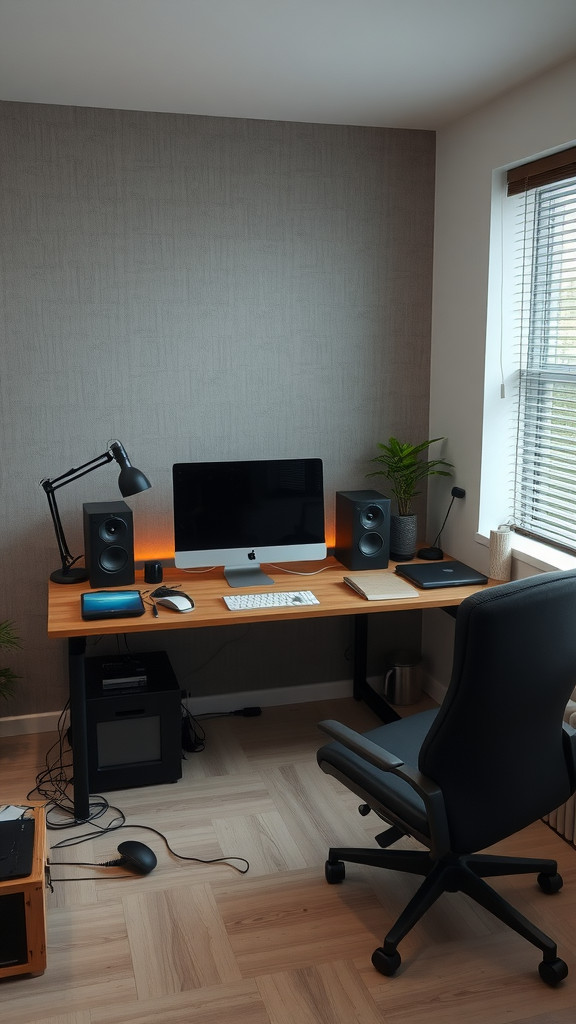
545 471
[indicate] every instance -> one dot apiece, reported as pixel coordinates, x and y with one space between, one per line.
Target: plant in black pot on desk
402 464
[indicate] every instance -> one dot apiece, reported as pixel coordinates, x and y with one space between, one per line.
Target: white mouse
177 602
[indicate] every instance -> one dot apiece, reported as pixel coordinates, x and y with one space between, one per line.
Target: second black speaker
362 529
109 543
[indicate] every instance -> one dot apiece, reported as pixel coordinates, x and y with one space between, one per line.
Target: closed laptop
440 574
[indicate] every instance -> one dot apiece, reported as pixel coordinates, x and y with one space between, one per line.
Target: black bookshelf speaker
109 543
362 529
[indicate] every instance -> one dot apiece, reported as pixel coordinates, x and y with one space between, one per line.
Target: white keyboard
291 599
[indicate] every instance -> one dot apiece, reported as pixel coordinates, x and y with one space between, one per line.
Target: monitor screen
239 514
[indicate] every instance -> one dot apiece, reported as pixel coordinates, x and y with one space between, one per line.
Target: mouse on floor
177 602
136 856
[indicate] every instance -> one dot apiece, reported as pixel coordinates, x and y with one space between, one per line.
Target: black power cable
52 785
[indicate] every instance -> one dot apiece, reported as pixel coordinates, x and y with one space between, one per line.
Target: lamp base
432 554
70 575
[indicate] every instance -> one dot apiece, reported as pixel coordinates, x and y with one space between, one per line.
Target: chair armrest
381 758
358 743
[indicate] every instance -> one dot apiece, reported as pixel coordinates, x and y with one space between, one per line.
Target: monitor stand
246 576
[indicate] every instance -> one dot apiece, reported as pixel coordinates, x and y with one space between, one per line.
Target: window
544 490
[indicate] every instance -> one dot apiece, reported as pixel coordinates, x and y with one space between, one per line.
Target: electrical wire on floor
54 782
193 735
52 786
77 840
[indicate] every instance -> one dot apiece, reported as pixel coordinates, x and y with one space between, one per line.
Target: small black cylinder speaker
109 543
153 572
362 529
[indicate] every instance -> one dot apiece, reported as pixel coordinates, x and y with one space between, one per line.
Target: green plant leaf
403 467
9 640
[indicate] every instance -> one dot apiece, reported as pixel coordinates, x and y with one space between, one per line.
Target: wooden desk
335 597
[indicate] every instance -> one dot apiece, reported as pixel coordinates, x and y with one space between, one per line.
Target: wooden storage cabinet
23 913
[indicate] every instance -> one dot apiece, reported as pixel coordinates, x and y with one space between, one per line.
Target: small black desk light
435 554
130 481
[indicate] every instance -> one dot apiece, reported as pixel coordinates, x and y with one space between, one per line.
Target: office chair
494 758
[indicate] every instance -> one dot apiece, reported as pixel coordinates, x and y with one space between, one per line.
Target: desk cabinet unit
23 913
134 732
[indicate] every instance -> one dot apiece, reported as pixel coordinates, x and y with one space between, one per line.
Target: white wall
533 119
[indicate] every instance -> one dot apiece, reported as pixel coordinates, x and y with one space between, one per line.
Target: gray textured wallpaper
201 288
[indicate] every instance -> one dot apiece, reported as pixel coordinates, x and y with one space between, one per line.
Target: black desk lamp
434 553
130 481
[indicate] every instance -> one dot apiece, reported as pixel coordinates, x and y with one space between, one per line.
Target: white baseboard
273 697
47 721
435 689
21 725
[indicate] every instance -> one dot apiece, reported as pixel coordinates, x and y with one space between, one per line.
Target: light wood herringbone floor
204 944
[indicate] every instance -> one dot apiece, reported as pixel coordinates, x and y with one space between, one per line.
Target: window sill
533 553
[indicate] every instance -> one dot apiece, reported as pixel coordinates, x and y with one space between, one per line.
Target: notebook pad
380 586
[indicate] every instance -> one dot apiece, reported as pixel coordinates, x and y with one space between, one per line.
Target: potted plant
9 640
403 465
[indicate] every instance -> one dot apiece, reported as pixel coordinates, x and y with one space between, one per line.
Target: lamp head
131 480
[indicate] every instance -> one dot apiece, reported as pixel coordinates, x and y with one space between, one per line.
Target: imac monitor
238 514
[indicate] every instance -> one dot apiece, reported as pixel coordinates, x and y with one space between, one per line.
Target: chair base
455 874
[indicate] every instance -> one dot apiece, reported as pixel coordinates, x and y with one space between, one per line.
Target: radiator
563 819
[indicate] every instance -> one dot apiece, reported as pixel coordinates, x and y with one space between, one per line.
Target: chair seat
402 738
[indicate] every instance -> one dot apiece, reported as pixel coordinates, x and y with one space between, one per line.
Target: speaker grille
112 530
371 517
113 559
370 543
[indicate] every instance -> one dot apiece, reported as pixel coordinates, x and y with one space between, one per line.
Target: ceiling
393 63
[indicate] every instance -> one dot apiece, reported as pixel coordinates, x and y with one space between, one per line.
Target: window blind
543 171
544 500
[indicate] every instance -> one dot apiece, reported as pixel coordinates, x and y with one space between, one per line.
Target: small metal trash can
403 681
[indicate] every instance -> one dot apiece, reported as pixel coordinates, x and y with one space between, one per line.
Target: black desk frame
76 669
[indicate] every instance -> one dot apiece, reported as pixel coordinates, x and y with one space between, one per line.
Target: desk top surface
207 590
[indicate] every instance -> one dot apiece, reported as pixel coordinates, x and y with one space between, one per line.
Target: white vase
403 537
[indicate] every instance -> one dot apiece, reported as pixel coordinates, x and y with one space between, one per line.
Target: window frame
545 453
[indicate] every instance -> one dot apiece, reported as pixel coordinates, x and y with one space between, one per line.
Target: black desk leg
77 682
361 687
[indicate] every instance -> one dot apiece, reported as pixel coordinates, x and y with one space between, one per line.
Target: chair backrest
497 747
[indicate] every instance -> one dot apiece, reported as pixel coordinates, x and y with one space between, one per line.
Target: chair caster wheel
364 809
553 971
386 963
334 873
550 883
